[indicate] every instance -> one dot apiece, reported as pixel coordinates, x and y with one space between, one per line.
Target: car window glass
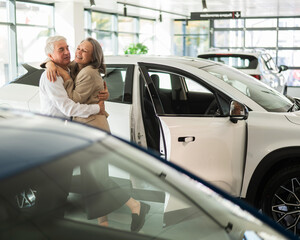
119 81
269 62
164 80
182 95
115 79
98 181
193 86
234 60
263 95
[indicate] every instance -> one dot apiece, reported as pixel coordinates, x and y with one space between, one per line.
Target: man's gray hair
49 48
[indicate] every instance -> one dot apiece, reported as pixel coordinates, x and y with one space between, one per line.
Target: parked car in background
294 78
235 132
258 64
41 160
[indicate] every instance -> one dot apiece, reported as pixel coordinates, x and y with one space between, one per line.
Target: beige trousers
99 121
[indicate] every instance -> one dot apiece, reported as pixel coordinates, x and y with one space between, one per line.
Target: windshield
71 192
265 96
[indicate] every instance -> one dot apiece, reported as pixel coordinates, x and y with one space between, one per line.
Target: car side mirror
238 111
283 68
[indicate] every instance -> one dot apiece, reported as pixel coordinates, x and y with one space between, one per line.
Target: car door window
182 95
119 83
269 62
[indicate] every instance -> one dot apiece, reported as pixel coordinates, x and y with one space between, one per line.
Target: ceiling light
125 10
204 6
92 2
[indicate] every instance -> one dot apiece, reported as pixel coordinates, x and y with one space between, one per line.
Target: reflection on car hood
294 117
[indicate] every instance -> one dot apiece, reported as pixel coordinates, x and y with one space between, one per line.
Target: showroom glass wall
280 36
24 27
115 32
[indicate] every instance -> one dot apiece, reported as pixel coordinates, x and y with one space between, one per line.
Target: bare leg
139 211
103 221
134 205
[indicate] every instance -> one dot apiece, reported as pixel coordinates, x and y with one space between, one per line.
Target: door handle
186 139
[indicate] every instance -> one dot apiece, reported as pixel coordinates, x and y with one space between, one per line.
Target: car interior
178 96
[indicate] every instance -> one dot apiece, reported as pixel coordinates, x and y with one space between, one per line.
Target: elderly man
53 96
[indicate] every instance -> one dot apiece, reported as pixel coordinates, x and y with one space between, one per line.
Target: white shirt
55 101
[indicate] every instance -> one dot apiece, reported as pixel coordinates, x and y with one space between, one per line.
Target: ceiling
248 8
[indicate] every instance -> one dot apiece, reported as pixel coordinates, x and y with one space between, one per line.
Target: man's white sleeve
57 93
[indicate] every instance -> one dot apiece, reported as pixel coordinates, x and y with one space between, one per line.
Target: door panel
214 154
197 135
119 119
119 80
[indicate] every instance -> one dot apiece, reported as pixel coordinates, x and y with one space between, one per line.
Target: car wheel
281 198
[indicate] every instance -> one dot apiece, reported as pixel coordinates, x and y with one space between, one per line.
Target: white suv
258 64
220 124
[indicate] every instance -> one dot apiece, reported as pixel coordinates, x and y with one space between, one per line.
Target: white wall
69 22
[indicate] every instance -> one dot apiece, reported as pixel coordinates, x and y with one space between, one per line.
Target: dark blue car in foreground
44 164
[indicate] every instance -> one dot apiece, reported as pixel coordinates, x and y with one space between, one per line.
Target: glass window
195 40
289 38
181 95
229 23
289 22
146 35
289 57
115 79
178 45
124 40
102 21
239 61
65 197
34 14
269 63
3 11
261 23
196 44
31 44
162 81
259 39
148 40
106 41
126 24
147 26
116 33
178 27
293 79
229 38
4 56
266 97
197 27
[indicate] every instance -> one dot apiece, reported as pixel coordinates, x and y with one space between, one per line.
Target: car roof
36 138
134 59
246 52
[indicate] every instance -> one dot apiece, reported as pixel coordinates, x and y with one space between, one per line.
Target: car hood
16 95
294 117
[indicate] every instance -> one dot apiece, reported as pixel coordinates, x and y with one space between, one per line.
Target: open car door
193 128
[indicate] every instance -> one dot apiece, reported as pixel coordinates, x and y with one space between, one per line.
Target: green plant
136 48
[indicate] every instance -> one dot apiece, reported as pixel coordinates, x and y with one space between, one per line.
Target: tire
281 198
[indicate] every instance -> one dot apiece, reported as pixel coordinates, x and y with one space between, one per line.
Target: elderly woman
83 85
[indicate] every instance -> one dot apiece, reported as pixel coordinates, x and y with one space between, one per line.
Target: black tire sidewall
280 178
